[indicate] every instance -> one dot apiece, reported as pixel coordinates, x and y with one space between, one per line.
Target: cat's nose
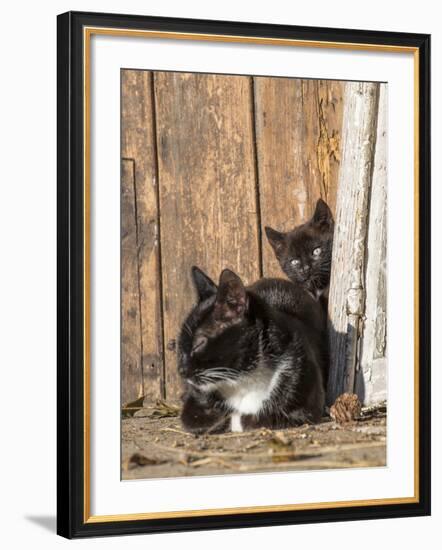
306 269
183 363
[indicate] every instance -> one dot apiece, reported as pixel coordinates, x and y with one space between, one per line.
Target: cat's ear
231 299
204 285
322 217
276 239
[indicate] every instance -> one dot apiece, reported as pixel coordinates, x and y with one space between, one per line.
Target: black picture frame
72 521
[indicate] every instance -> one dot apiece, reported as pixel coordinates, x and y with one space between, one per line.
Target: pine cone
346 408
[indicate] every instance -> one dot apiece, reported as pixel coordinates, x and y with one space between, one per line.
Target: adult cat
305 253
251 357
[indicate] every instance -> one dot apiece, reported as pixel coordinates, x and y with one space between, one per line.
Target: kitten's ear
231 299
204 285
322 217
276 239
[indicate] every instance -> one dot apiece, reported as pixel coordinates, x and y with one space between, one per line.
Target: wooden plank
138 143
207 189
131 365
298 130
371 380
347 293
330 106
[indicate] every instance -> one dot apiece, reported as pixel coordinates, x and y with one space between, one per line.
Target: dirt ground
154 445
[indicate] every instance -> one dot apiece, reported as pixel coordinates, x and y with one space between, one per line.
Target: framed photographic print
243 274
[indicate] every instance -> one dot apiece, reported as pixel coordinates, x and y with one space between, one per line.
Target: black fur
234 341
305 253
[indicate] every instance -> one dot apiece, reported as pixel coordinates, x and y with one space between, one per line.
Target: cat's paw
199 419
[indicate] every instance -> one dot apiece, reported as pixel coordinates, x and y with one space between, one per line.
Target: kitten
305 253
250 357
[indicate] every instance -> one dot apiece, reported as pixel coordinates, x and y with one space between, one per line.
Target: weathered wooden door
207 162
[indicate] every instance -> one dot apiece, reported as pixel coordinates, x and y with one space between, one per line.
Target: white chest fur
236 425
250 394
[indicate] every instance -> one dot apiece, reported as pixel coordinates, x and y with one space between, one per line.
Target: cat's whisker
222 373
219 376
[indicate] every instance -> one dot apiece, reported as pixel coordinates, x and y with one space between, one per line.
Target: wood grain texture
138 143
207 189
347 292
371 380
298 134
214 160
131 361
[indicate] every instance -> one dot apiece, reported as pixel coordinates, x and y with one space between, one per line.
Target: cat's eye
295 262
317 251
199 344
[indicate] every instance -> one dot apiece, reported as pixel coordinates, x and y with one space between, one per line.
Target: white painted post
347 292
371 375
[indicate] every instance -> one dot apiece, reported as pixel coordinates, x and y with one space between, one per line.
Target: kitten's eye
295 262
317 251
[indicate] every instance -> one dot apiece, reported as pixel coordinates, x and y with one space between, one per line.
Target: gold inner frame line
87 33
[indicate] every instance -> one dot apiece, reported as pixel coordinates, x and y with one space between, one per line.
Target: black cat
251 357
305 253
